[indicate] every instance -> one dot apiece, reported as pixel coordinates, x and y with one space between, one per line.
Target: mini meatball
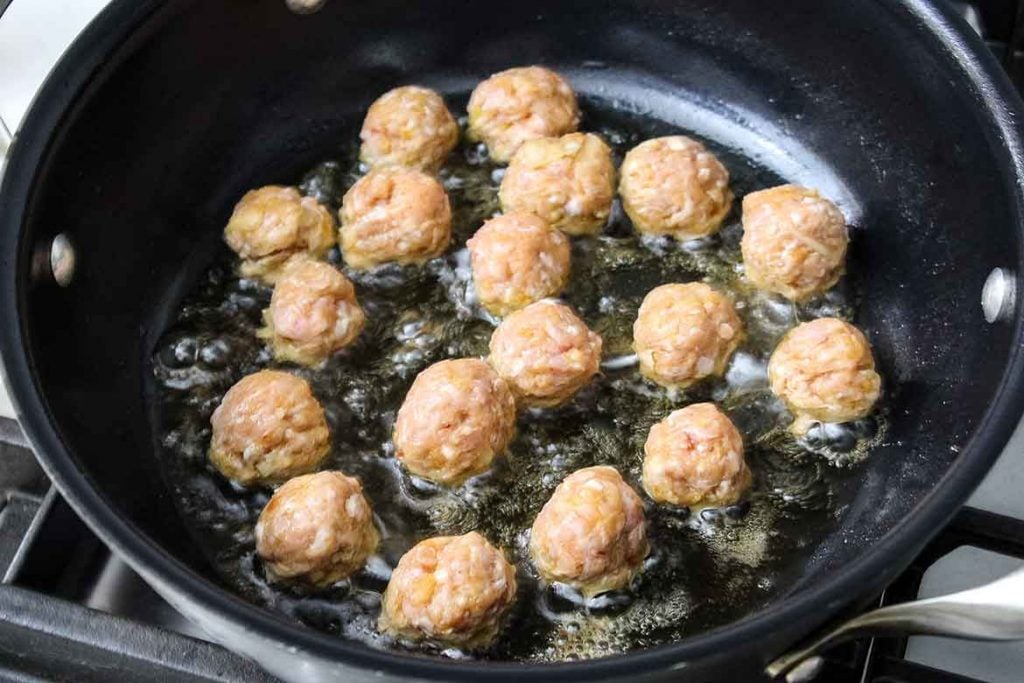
452 590
457 417
316 529
313 313
394 214
674 186
694 457
268 429
521 104
517 259
684 333
408 126
823 371
794 241
272 224
545 353
567 181
591 534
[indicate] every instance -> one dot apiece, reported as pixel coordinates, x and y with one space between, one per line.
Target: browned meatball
517 259
457 417
408 126
545 353
674 186
316 529
312 314
453 590
521 104
794 241
394 214
684 333
694 457
591 534
567 181
268 428
274 223
823 371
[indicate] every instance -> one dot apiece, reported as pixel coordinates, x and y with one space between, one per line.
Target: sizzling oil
707 567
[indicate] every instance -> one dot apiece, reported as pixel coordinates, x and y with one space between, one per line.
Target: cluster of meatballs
460 415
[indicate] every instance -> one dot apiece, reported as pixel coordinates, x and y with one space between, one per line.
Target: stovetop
71 610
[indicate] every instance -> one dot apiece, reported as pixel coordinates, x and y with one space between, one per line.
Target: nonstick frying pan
163 112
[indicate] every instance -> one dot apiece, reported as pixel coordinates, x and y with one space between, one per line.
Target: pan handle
994 611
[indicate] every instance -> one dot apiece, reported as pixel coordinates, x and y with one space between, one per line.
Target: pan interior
208 100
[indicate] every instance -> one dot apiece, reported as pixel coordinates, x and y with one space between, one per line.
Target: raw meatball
517 259
545 353
268 428
408 126
274 223
452 590
394 214
567 181
684 333
312 314
674 186
521 104
824 371
794 241
591 533
694 457
457 417
317 528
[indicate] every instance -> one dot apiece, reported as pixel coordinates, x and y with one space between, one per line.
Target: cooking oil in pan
707 567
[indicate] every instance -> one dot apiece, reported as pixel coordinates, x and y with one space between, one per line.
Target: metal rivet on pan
304 6
999 295
62 260
806 670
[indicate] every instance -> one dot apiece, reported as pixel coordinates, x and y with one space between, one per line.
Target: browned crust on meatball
268 428
684 333
521 104
394 214
794 241
313 313
567 181
408 126
272 224
517 259
823 370
452 590
591 534
694 457
457 417
317 529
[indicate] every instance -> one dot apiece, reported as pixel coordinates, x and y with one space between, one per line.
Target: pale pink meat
408 126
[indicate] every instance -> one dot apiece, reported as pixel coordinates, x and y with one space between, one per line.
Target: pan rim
111 29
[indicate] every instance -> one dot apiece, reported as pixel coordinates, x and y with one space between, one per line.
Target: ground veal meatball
274 223
545 353
408 126
453 590
268 428
591 533
317 528
824 371
567 181
694 457
794 241
457 417
684 333
674 186
517 259
394 214
312 314
521 104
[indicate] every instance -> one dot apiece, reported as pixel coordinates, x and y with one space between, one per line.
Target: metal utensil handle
994 611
